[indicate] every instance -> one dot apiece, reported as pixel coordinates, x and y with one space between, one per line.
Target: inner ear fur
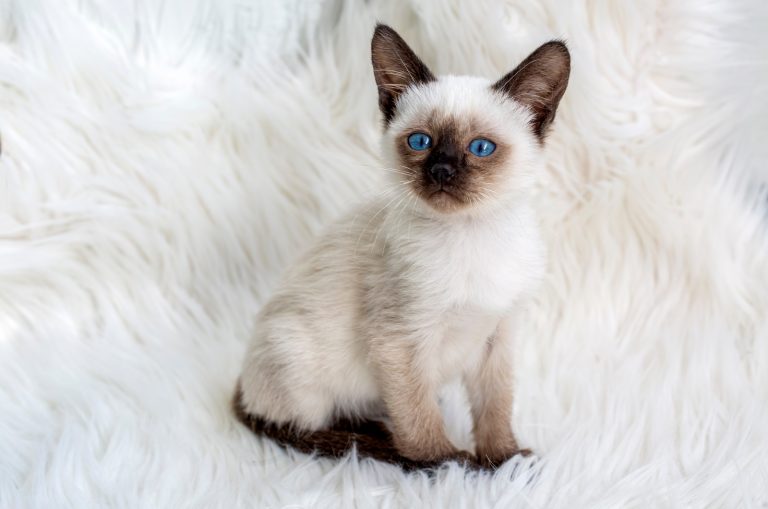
539 83
395 67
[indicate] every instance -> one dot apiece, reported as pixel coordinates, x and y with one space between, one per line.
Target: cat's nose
442 173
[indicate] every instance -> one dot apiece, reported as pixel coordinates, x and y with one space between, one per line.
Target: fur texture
162 164
418 288
366 438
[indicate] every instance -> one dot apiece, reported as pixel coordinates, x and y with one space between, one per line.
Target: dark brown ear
539 82
396 67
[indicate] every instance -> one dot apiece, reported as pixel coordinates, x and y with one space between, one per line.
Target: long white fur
161 166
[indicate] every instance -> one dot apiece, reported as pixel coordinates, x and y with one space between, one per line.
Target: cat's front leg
411 402
490 392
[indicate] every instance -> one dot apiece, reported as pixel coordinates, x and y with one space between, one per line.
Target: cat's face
464 143
456 144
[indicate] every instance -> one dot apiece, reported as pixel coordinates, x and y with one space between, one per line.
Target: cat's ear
539 82
396 67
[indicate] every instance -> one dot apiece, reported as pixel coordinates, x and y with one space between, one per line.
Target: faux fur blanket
162 162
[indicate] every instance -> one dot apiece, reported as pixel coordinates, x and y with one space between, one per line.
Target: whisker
506 82
378 231
370 220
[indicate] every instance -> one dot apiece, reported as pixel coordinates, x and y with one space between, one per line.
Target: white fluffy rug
163 161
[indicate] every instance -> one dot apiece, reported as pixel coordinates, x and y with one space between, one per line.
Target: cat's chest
478 268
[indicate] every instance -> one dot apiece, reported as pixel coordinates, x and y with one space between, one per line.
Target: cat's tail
371 439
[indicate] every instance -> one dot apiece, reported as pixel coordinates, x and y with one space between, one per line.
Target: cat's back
339 254
308 330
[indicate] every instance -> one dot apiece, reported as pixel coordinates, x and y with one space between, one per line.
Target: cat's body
447 282
418 287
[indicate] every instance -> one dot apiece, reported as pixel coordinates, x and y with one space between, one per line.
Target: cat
421 286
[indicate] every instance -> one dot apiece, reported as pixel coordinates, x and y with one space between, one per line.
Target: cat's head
463 143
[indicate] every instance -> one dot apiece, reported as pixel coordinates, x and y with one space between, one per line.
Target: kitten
420 287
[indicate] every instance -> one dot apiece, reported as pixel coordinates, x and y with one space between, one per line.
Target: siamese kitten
419 287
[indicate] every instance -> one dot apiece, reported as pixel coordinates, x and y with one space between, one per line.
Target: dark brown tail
371 439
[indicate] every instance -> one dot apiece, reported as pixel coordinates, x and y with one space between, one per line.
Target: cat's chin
445 201
447 204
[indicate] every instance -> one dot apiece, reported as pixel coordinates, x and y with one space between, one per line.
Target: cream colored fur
398 299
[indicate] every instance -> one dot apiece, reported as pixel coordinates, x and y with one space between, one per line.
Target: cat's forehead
463 103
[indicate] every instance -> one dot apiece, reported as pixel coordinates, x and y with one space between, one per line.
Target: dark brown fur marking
539 82
395 67
451 137
370 439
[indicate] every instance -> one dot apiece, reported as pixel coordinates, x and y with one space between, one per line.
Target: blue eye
482 147
419 141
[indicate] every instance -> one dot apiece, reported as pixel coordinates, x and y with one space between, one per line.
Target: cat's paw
435 455
494 459
465 458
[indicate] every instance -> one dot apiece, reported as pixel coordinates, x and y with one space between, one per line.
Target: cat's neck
411 224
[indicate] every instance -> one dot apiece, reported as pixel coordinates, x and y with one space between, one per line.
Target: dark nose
442 173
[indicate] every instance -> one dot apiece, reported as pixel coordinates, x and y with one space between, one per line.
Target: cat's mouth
444 199
442 191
